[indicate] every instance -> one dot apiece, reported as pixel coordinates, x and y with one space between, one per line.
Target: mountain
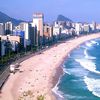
63 18
5 18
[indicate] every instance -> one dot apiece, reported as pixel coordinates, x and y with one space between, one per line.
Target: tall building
1 29
86 28
93 26
21 34
48 33
25 27
98 27
33 35
38 20
56 32
78 28
8 28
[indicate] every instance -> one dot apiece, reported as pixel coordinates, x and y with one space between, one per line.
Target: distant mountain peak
63 18
5 18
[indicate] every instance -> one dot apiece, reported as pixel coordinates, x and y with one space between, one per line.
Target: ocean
81 78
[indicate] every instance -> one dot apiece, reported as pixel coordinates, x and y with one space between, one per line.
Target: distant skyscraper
78 28
38 20
48 33
56 31
8 28
1 29
25 27
33 35
94 26
86 28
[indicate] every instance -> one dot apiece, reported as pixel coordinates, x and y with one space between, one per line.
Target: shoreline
41 69
61 69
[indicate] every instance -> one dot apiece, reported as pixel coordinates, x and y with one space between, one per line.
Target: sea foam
66 71
87 64
56 91
73 97
88 44
87 56
94 42
91 43
93 85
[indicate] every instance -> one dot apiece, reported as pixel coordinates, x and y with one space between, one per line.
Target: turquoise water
81 78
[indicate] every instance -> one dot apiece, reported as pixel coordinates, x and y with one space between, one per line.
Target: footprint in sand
32 85
44 77
37 91
28 82
36 70
30 70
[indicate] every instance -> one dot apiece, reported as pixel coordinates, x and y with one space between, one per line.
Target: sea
81 77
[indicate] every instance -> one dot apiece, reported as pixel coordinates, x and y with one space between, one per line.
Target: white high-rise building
78 28
1 29
93 26
38 20
25 27
8 27
86 28
56 31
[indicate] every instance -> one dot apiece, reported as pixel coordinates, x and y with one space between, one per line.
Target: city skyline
77 10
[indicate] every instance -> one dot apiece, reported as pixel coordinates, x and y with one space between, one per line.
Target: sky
76 10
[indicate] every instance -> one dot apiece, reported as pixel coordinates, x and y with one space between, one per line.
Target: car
12 68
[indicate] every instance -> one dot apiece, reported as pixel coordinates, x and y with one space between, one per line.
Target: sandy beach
41 72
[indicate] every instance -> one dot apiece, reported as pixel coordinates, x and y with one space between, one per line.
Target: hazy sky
77 10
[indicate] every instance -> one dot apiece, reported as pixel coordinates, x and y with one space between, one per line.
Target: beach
41 72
